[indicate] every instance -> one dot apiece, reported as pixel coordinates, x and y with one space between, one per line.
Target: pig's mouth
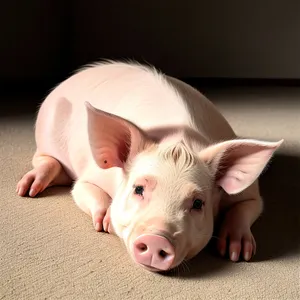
152 269
162 271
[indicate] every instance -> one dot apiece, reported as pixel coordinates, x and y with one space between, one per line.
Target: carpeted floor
49 249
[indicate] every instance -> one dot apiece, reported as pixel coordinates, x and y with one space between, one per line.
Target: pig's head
164 209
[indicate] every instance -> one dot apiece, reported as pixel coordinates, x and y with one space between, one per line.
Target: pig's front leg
235 234
94 202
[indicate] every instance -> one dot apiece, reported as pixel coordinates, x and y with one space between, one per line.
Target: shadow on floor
54 190
277 231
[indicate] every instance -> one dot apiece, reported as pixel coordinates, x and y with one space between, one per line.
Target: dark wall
195 38
45 40
33 39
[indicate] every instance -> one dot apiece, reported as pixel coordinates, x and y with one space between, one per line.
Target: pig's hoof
101 220
239 244
33 182
98 216
47 172
106 222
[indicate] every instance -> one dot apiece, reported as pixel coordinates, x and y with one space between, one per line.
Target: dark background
42 42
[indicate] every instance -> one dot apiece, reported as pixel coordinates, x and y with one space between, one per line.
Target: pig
151 160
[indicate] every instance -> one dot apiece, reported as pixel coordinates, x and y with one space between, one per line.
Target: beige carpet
49 249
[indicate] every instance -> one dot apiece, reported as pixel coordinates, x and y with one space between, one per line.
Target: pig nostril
142 247
163 254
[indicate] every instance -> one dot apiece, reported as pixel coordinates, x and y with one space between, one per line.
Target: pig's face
164 210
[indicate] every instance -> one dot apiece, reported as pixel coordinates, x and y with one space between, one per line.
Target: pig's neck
173 135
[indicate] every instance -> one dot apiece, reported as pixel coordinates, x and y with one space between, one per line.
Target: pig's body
135 93
151 158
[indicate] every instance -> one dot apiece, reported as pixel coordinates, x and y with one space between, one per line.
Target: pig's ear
236 164
113 140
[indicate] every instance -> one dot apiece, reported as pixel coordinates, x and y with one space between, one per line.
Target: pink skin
153 251
90 143
236 228
107 223
47 172
241 239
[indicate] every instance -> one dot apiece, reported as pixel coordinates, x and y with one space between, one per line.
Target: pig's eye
139 190
198 204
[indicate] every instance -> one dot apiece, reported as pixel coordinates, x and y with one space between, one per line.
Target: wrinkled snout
153 251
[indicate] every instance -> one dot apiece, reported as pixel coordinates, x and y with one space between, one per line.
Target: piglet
151 160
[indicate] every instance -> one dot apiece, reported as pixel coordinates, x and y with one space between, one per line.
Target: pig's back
136 93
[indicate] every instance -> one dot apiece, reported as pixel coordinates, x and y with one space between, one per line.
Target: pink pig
153 162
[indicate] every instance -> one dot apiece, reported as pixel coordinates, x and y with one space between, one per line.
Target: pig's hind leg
95 202
46 172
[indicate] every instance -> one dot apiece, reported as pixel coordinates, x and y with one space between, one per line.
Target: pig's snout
153 251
